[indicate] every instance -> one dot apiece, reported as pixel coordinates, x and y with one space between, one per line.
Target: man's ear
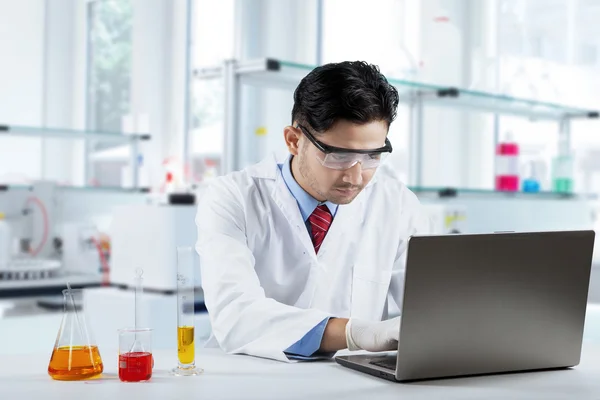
292 139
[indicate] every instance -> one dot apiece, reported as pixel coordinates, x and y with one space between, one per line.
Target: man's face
338 186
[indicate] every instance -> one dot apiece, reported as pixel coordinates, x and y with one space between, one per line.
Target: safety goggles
340 159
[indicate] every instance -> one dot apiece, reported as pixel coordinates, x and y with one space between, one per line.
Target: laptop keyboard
387 362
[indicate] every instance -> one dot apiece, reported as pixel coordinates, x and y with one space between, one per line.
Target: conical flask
75 355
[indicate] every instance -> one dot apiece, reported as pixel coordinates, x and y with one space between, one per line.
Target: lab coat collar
267 168
306 202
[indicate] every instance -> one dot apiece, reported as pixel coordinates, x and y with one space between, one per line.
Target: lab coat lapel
370 282
343 225
340 235
347 219
289 207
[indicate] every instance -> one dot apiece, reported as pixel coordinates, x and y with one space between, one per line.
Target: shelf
507 105
65 133
48 286
6 188
273 73
91 189
108 189
449 192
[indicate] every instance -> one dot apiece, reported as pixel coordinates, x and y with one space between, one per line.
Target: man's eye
340 157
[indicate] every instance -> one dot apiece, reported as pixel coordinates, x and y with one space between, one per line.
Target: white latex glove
373 336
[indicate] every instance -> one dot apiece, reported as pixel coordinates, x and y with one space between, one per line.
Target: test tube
186 351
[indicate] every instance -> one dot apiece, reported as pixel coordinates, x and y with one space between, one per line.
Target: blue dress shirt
308 345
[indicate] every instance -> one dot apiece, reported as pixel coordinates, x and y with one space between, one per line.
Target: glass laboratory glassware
562 174
531 181
135 354
507 165
186 352
75 355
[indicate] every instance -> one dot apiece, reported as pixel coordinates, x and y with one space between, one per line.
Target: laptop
479 304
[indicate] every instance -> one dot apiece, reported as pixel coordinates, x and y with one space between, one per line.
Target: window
109 83
212 43
548 52
109 63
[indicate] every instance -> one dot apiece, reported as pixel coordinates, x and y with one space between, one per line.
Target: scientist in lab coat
298 254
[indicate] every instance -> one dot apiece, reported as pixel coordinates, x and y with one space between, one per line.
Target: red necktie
320 220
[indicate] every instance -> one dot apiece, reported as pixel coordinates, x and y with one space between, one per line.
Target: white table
243 377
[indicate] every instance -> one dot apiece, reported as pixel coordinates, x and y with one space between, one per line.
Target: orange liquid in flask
71 363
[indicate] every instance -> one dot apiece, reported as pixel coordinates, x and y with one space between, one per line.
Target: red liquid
135 366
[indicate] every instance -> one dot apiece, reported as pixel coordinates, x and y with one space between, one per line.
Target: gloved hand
372 336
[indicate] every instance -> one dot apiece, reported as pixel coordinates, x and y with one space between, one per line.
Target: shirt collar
306 202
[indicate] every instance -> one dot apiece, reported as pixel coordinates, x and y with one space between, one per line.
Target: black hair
351 90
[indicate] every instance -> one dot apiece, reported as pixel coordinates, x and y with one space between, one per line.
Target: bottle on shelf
562 169
532 183
507 165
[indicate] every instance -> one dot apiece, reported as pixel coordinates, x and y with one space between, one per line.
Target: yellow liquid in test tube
185 344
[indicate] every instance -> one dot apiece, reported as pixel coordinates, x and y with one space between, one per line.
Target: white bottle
5 242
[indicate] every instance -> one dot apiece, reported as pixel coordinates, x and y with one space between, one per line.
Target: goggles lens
341 161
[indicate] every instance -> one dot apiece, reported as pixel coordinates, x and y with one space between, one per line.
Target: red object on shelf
507 167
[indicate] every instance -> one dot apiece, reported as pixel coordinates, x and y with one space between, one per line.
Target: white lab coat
265 287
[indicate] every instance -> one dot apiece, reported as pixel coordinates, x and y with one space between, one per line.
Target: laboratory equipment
507 165
186 351
562 169
531 183
562 174
138 297
163 227
135 354
75 355
135 345
84 249
563 163
5 241
27 251
29 269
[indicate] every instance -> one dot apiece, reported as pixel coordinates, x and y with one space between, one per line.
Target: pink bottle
507 166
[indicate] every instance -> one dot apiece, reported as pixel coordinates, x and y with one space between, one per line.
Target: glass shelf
508 105
5 188
108 189
272 73
449 192
82 189
66 133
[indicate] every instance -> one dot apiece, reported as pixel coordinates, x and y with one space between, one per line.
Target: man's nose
353 175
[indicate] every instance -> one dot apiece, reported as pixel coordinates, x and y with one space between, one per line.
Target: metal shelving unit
271 73
133 139
449 192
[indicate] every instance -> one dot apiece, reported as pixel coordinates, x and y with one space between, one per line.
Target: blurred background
108 107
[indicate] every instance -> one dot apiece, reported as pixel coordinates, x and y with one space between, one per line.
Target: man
298 255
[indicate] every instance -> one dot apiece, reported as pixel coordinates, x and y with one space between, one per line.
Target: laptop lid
486 303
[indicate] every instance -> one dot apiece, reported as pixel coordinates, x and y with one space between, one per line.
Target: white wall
21 84
158 78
